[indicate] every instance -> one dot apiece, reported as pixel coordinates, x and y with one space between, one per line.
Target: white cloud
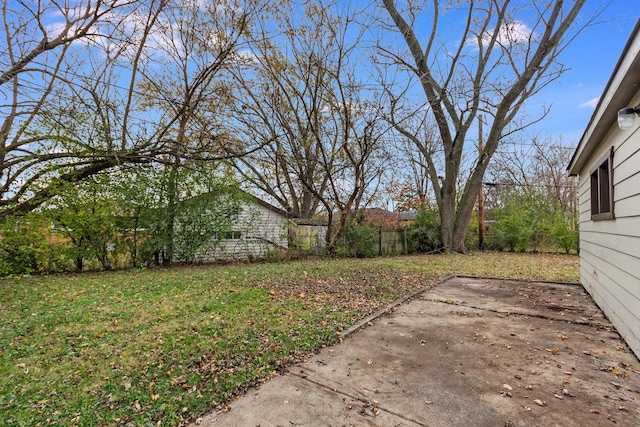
592 103
245 57
511 33
515 32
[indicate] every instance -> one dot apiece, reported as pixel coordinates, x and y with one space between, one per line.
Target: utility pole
480 192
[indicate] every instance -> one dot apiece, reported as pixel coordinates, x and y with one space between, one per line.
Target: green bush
24 248
276 255
359 241
565 234
531 221
423 235
514 223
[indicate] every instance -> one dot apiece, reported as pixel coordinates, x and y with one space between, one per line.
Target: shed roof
267 205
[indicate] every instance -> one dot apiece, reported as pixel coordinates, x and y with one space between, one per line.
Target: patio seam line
359 399
537 316
389 308
506 279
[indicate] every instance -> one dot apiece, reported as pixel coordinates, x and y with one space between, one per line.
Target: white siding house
259 228
607 161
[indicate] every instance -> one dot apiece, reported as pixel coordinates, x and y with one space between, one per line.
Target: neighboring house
259 228
607 162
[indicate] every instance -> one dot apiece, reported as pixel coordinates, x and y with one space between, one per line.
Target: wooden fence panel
392 241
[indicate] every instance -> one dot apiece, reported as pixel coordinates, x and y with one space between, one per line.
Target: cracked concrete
479 352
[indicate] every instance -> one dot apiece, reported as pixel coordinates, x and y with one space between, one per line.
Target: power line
508 184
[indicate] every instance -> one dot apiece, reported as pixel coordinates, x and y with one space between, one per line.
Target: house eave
618 93
268 205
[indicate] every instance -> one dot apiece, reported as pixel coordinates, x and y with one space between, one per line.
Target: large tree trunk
447 221
498 82
460 232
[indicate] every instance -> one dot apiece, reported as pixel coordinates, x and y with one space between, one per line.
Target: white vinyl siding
259 230
610 249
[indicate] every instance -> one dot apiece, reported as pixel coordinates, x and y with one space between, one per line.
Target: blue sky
591 58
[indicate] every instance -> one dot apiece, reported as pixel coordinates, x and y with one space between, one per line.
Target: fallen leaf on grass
178 380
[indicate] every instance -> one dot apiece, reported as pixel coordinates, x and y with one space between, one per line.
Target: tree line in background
144 116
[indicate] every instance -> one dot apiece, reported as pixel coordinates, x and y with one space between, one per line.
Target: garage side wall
257 231
610 249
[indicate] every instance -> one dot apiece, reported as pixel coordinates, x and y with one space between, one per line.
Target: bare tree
181 84
42 54
93 90
409 182
538 163
280 101
303 98
503 54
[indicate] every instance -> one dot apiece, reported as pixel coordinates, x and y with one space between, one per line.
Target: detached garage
607 161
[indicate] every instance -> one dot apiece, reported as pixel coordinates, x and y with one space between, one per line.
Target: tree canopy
316 106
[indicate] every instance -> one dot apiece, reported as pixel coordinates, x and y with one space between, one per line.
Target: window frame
229 235
599 193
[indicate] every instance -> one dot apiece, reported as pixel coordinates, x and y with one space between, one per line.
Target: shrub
276 255
423 235
530 220
565 235
359 241
24 248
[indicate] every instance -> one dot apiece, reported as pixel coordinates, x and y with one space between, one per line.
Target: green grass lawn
164 346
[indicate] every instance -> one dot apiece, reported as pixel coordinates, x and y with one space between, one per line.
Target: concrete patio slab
479 352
